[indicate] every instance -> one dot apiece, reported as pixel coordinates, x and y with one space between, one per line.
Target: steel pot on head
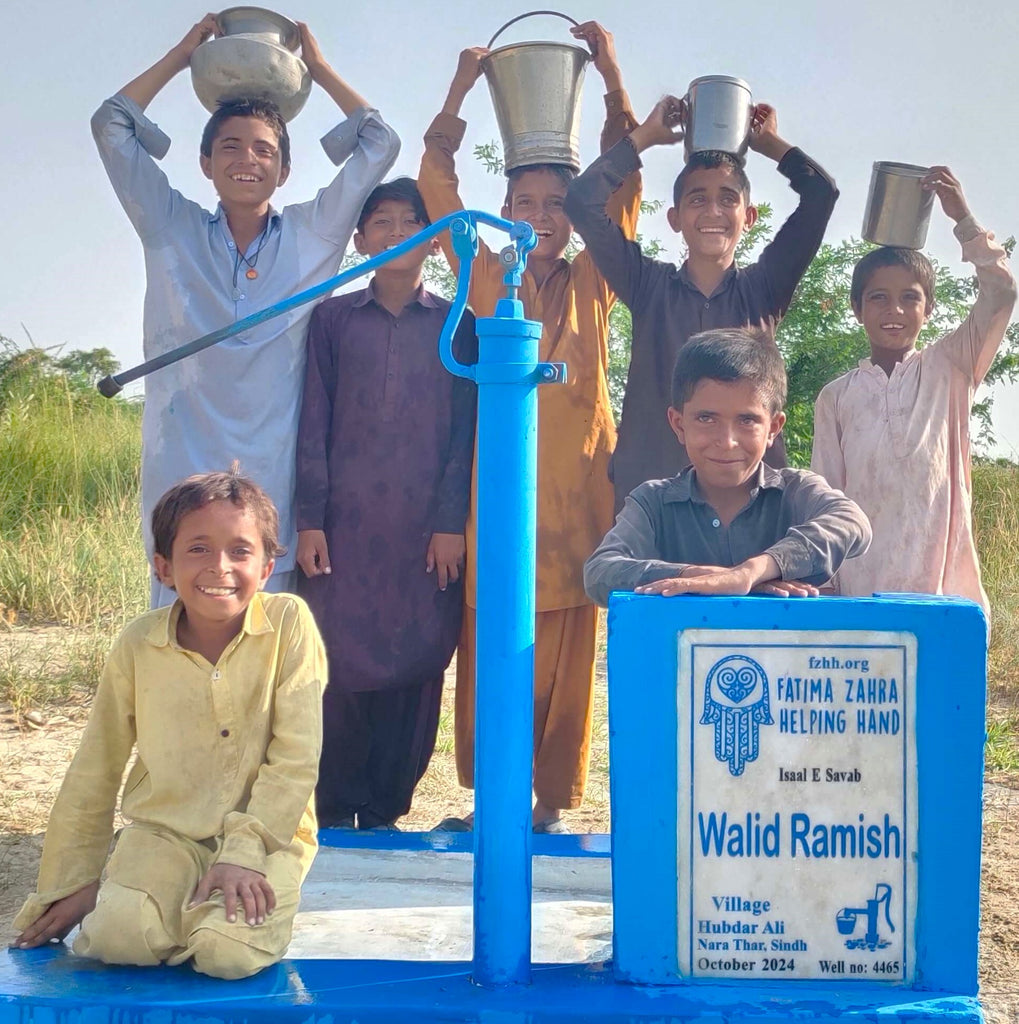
718 114
255 58
536 90
898 209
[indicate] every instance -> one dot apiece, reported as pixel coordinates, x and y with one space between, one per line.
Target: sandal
453 825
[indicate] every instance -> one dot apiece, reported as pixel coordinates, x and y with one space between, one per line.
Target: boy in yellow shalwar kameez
221 694
576 433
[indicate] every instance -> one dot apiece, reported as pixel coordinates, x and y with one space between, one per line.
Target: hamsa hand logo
736 703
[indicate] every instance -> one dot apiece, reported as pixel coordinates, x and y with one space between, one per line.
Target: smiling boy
576 432
239 399
221 696
728 524
893 432
711 210
386 512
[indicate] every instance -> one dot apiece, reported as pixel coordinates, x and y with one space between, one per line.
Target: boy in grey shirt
728 524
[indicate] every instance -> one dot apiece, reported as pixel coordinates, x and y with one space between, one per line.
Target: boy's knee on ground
125 928
223 952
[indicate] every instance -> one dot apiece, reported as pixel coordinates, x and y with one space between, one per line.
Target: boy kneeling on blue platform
221 694
728 524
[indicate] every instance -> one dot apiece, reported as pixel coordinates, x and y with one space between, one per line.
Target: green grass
71 550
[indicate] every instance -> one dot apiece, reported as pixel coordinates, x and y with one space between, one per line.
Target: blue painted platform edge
51 985
584 844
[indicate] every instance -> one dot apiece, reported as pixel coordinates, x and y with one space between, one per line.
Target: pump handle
529 14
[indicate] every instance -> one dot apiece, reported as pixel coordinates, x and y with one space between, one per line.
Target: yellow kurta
576 430
227 763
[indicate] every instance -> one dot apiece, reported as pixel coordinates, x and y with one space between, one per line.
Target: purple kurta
384 455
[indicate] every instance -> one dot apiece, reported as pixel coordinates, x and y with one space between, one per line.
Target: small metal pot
898 210
718 114
253 59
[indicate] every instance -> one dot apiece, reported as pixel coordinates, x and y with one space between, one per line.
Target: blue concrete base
50 986
584 844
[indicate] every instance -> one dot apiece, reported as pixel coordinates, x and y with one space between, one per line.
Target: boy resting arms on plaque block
894 431
221 695
728 524
576 432
239 399
711 209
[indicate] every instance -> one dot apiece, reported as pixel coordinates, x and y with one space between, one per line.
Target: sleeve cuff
340 142
794 561
616 102
246 851
623 158
453 127
794 162
967 229
153 139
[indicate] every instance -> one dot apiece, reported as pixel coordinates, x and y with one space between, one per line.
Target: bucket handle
529 14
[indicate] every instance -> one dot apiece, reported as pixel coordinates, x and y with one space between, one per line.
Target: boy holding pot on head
893 433
711 210
221 697
576 432
206 270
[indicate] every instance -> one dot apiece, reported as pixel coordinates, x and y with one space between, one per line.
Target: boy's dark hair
202 489
730 354
892 256
403 190
708 159
563 172
264 110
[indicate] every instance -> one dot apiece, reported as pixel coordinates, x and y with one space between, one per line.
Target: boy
221 694
894 432
388 512
711 209
575 434
239 399
728 524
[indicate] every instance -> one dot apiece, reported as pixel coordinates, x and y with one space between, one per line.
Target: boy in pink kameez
893 433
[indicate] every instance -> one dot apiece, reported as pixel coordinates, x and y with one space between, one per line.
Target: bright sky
852 83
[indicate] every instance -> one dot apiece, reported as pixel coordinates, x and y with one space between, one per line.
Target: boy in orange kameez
576 433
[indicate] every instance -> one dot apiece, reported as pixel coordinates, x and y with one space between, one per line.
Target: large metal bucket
718 114
898 209
536 90
253 59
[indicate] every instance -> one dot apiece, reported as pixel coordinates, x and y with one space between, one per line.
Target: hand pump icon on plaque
846 920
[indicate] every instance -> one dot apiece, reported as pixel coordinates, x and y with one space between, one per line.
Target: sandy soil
34 755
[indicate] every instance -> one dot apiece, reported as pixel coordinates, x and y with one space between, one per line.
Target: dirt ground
36 748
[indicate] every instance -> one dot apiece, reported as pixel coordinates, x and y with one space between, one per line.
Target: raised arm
440 186
786 258
973 345
590 204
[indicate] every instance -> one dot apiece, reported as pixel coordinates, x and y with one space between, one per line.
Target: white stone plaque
797 805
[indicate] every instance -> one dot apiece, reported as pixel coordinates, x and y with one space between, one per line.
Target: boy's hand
764 137
945 185
198 33
310 52
313 553
238 885
663 127
786 588
603 50
445 557
468 70
59 918
736 581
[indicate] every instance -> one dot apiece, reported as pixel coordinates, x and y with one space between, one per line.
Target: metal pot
536 90
898 209
253 59
718 114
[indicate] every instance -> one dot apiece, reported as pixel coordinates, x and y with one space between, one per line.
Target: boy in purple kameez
384 455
